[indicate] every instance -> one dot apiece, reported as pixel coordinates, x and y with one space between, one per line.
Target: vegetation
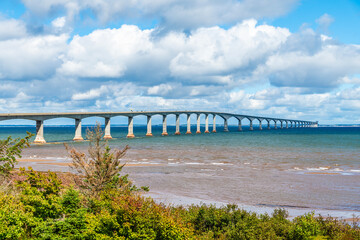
106 205
100 168
9 150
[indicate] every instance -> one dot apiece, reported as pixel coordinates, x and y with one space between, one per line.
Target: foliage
9 150
40 193
43 208
101 167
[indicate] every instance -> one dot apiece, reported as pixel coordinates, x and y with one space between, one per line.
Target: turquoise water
310 168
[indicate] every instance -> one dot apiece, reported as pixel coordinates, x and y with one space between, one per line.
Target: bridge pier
214 123
251 125
164 133
226 129
177 131
206 123
198 124
78 136
39 132
188 130
287 124
281 125
240 126
275 127
107 129
260 125
130 127
149 126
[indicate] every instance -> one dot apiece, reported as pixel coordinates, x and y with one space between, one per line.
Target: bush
100 168
9 150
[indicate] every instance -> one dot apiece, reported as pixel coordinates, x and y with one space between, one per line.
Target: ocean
298 169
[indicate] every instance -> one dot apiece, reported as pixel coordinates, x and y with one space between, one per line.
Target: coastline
176 199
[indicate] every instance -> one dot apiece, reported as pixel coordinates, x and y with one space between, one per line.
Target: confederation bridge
41 117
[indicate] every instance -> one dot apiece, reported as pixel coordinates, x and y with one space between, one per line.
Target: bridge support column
287 124
164 133
39 132
268 124
206 124
130 128
275 127
78 136
177 131
214 124
149 126
107 129
281 125
198 124
251 125
188 130
226 129
260 125
240 126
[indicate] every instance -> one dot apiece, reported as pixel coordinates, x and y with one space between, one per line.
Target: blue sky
278 58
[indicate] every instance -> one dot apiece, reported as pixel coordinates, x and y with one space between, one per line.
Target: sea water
300 168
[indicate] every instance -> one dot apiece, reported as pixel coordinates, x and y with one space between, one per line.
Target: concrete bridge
41 117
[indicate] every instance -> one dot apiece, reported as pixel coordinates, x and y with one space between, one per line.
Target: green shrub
9 150
40 193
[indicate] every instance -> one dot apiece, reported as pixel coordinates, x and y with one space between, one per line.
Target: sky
296 59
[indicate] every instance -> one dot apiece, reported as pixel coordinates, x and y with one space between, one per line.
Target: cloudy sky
280 58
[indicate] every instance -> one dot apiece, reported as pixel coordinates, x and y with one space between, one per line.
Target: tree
101 166
9 150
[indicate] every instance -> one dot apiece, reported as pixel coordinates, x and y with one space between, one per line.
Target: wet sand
176 189
49 162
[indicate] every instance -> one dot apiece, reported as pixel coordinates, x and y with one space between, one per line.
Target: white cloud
161 89
91 94
172 14
31 57
208 55
12 28
213 52
105 53
324 22
321 67
59 22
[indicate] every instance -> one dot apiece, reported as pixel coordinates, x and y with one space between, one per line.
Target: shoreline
176 200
